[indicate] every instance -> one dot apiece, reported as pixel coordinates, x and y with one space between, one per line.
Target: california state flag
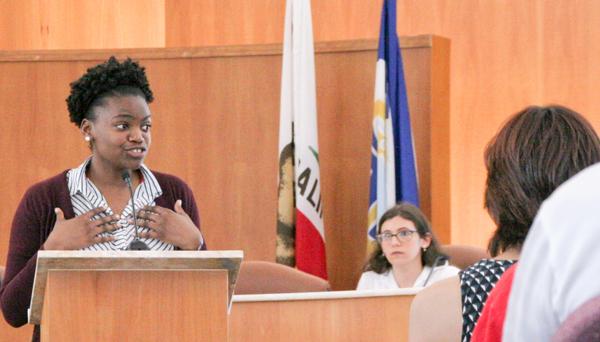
300 232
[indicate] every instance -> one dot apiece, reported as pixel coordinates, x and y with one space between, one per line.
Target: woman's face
405 247
120 132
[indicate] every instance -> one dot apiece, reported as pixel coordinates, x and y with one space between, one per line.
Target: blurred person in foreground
559 267
534 152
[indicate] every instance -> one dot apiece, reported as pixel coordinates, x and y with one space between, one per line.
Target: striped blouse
85 196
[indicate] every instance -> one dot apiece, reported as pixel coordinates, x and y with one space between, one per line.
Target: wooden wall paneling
440 158
69 24
107 24
72 24
227 143
568 65
21 25
223 22
346 19
345 111
495 72
418 79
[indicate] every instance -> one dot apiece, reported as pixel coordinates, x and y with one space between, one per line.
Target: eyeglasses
403 236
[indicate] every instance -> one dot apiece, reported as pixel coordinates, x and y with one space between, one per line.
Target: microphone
435 263
136 244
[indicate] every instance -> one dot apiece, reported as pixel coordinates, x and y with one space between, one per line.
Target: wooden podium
134 295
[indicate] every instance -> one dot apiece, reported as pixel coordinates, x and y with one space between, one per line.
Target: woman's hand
174 227
80 231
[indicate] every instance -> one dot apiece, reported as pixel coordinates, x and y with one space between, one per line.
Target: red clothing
33 222
491 322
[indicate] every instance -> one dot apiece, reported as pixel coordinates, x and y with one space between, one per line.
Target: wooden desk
380 315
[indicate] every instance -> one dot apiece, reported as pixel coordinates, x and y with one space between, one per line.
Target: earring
424 249
87 138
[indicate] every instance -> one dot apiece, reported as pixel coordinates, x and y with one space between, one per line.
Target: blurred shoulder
436 313
445 289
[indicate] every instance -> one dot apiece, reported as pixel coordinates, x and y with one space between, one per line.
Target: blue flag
393 167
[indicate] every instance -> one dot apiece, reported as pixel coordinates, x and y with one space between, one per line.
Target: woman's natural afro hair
111 78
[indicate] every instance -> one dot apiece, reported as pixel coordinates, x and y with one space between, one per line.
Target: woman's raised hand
80 231
170 226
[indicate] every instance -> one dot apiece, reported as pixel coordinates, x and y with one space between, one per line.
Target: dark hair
110 78
378 263
533 153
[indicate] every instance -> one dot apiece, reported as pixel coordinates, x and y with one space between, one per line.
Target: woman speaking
112 201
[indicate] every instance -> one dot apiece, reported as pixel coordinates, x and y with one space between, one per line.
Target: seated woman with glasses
407 254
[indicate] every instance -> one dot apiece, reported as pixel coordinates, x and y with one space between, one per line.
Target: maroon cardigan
33 222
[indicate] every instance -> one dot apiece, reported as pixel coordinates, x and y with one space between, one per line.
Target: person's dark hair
111 78
378 263
533 153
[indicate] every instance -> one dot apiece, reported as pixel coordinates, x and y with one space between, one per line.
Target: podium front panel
135 305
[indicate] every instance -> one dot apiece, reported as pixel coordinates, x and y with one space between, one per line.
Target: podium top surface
128 261
122 259
326 295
